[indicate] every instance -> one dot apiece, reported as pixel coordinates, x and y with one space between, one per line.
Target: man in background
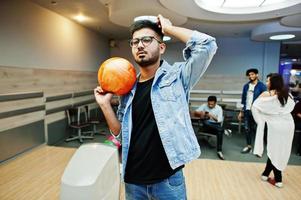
212 115
250 92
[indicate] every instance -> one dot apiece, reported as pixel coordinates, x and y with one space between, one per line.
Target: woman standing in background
274 108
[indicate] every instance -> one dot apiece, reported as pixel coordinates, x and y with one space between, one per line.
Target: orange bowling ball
116 75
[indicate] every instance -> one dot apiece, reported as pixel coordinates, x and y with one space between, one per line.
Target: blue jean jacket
259 88
170 97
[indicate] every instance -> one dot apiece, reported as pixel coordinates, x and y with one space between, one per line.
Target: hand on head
164 23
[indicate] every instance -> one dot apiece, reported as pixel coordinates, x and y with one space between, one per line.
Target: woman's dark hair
277 84
146 24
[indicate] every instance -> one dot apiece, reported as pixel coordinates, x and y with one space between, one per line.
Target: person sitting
212 115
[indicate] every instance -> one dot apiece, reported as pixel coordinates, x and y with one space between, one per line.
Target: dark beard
148 62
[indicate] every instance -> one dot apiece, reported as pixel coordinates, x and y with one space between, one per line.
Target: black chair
93 121
78 120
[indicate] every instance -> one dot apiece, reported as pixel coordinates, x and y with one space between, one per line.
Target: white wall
236 55
34 37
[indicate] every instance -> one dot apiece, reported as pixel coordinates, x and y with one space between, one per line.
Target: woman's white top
281 128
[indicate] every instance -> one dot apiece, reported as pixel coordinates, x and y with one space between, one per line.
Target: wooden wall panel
16 79
221 82
17 140
59 89
21 120
20 104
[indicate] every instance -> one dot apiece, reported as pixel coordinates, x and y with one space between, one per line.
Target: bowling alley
150 99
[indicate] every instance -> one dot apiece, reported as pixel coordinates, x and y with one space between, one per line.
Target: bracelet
115 136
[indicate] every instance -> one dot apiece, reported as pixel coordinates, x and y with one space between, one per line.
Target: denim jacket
259 88
170 97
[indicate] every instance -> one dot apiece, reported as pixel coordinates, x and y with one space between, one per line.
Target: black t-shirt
147 162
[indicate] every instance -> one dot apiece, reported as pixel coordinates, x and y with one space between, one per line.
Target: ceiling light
270 2
166 38
236 4
215 3
153 19
80 18
282 37
241 4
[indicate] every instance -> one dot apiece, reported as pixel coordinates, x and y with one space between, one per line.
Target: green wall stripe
84 93
20 96
58 97
21 111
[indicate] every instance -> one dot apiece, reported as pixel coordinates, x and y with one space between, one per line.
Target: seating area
229 100
81 119
78 120
158 99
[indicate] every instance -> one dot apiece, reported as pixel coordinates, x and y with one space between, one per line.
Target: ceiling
112 17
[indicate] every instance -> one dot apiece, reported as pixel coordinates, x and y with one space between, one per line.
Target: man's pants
215 128
250 126
171 188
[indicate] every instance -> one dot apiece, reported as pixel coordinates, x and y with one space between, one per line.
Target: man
153 118
250 92
212 115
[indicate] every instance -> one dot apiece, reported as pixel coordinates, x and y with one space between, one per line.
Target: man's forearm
112 121
214 118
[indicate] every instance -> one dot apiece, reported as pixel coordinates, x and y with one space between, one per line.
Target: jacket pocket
169 88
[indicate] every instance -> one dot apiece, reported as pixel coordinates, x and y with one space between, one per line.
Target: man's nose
140 44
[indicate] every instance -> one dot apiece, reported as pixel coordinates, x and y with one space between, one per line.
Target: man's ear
162 48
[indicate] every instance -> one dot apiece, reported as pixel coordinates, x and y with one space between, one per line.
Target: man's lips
141 53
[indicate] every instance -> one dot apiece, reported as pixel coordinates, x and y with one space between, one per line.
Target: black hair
277 83
254 70
212 98
146 24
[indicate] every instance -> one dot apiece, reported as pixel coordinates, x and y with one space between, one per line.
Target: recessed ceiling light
216 3
244 6
80 18
241 4
151 18
166 38
270 2
238 3
282 37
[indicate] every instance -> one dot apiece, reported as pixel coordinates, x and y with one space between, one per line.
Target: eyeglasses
146 40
